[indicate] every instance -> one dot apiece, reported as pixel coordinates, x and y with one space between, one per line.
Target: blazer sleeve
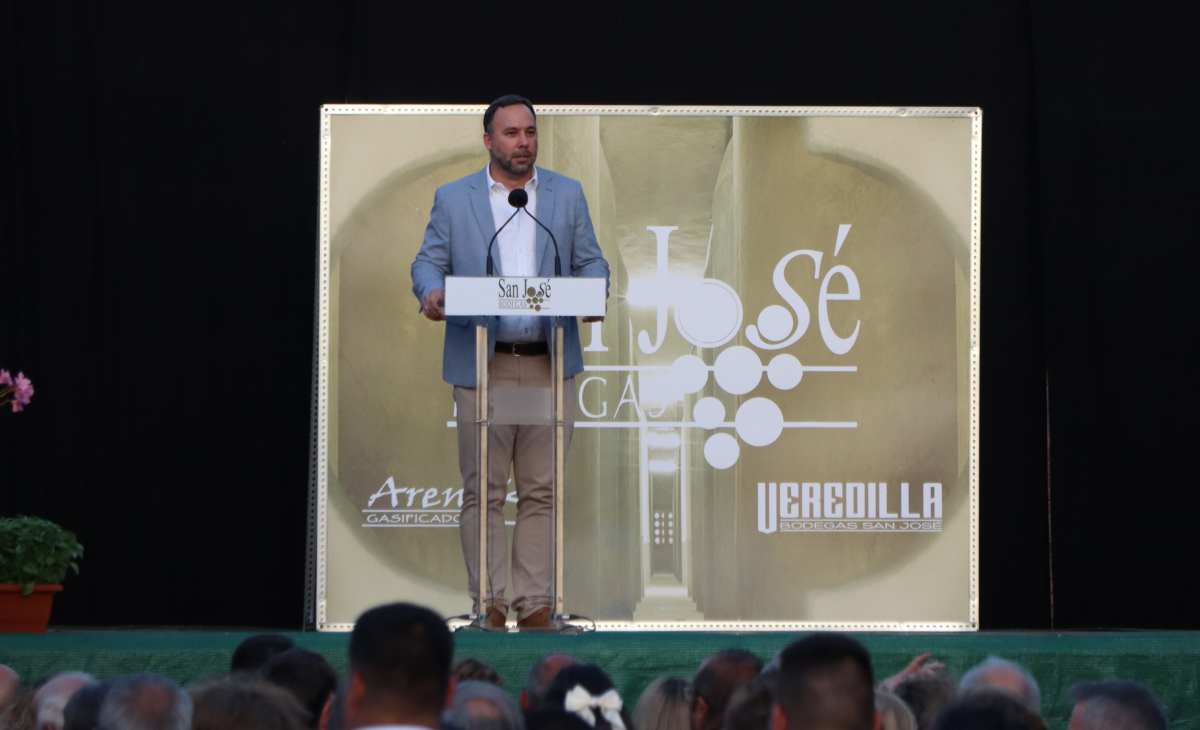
587 260
432 263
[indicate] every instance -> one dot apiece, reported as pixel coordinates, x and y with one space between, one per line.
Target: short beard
510 168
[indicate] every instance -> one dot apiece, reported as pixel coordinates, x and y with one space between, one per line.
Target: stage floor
1169 662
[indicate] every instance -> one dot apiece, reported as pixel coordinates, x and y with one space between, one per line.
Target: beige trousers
528 451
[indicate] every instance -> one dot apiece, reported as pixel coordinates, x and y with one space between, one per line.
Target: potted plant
35 555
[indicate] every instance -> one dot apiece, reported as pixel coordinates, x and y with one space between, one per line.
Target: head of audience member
475 669
825 681
541 674
549 718
750 705
333 714
1116 705
10 682
587 691
664 705
400 657
715 682
307 675
238 703
893 713
926 696
479 705
83 710
257 650
52 697
988 709
19 713
1004 676
145 702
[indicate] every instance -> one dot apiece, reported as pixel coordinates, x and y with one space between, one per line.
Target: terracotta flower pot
26 614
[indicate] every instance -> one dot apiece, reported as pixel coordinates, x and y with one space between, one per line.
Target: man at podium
466 215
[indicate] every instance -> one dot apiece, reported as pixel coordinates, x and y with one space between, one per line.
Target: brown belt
522 349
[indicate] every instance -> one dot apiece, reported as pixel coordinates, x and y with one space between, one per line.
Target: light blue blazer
456 242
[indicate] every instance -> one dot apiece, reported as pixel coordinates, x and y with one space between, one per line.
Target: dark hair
926 696
718 677
506 100
255 651
1126 704
750 706
589 676
476 669
403 653
541 674
826 680
82 711
307 675
239 703
987 709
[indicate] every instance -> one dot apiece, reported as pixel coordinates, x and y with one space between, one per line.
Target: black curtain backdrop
159 228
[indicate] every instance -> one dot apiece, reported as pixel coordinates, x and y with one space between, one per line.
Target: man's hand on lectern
432 306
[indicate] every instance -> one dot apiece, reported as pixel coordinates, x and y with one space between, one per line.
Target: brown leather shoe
495 619
539 619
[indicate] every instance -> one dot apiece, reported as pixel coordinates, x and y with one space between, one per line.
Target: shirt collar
492 184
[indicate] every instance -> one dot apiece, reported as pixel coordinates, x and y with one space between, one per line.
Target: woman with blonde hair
664 705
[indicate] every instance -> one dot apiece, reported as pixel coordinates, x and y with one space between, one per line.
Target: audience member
1116 705
20 712
893 713
664 705
307 675
926 696
53 696
255 651
145 702
541 674
472 668
10 683
714 683
83 710
1005 676
825 681
333 715
988 709
750 706
400 657
587 691
479 705
922 665
239 703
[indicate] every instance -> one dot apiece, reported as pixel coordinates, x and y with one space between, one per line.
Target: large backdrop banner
777 421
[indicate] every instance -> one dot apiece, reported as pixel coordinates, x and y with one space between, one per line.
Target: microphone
519 199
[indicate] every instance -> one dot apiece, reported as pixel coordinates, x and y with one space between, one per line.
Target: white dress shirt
517 249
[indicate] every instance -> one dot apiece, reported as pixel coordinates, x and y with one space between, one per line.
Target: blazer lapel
481 206
545 213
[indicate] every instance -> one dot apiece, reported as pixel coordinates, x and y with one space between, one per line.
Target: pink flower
22 391
5 377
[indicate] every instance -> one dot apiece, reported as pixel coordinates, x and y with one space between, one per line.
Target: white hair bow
581 702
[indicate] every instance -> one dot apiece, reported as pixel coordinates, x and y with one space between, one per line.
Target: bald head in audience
10 682
1004 676
146 702
1116 705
